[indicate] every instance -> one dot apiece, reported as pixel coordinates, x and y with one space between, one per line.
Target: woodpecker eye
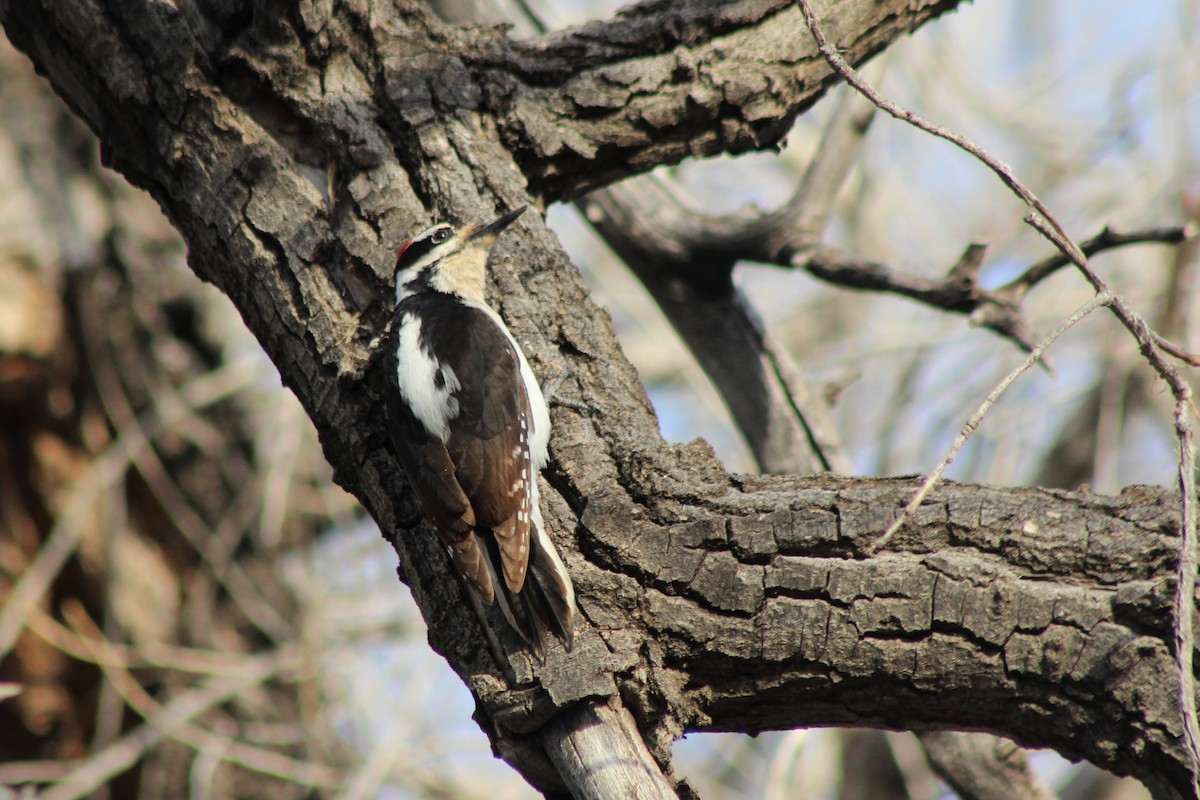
413 253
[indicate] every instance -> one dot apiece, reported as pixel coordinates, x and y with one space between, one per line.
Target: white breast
427 385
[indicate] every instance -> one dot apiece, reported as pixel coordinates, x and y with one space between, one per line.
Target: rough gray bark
294 148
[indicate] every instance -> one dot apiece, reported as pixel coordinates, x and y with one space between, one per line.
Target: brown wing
489 441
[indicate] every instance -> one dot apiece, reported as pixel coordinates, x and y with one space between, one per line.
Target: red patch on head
403 247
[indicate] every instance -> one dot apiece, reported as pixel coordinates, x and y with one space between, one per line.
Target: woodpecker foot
550 389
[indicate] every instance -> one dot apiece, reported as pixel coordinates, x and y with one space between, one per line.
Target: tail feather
552 585
546 602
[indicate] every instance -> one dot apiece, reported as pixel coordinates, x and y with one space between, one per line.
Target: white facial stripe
430 253
404 282
425 384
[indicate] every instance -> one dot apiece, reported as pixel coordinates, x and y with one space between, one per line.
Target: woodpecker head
449 260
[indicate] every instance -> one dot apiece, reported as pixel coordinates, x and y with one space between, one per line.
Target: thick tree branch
666 81
971 608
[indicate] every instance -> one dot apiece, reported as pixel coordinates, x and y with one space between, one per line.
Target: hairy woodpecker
470 428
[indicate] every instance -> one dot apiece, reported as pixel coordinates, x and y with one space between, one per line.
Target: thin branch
1147 339
1074 459
1192 359
1107 239
42 771
959 293
110 710
973 422
141 656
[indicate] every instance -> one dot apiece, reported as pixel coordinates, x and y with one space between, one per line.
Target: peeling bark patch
754 538
805 529
724 583
793 628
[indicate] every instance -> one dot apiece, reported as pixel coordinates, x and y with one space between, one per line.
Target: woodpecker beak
489 232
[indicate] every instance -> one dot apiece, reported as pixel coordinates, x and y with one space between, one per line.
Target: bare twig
202 776
104 472
42 771
141 656
1107 239
246 755
995 309
1176 351
1079 454
973 422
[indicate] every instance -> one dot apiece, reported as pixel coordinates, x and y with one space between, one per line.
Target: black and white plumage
470 427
